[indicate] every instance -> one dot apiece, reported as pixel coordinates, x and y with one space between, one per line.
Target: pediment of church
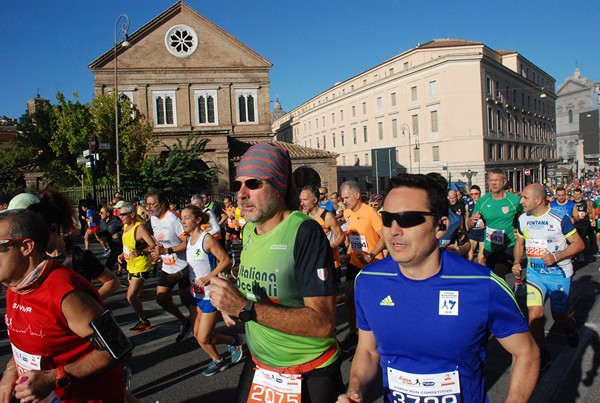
571 86
181 39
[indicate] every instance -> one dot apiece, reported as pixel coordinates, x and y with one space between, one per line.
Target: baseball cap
22 201
119 204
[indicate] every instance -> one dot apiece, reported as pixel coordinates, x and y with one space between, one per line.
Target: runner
203 252
308 204
425 315
136 242
476 232
93 226
172 241
583 212
548 240
324 200
366 245
45 298
562 204
286 291
499 209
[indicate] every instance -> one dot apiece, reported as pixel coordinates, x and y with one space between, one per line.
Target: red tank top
41 338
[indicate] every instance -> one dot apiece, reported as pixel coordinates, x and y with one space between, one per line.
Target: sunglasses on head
251 184
406 219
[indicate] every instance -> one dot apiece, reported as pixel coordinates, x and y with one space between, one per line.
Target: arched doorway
306 176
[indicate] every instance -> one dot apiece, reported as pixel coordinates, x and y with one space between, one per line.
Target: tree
12 158
179 171
136 137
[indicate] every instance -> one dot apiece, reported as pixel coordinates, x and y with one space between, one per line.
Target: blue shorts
204 304
541 285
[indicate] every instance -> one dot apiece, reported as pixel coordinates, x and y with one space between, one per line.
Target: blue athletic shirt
547 233
564 209
437 325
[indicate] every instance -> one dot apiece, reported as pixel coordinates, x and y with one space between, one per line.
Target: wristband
555 259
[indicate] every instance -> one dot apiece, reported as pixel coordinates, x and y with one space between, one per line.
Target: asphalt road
169 372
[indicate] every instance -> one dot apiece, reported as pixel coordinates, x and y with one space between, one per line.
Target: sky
46 46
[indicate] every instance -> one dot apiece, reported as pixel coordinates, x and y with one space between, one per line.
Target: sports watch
372 256
62 378
247 313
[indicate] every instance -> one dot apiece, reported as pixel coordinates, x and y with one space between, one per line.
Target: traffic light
99 168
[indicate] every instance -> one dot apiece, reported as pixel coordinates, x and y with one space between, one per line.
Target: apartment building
451 106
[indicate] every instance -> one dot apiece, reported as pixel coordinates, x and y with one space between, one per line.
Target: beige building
451 106
191 77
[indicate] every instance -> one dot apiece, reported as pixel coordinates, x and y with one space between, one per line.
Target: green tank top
267 273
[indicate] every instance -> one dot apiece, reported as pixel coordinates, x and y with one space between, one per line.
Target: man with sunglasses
499 209
366 245
324 200
424 315
48 313
285 290
476 231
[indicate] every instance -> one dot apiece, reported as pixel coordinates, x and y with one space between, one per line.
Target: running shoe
184 331
214 367
573 335
106 252
127 377
349 342
236 350
141 326
545 360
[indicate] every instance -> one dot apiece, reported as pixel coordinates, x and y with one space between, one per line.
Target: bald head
452 197
537 190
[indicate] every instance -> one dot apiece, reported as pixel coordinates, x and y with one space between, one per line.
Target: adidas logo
387 301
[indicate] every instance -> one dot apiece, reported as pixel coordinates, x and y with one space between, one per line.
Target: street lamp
405 129
124 44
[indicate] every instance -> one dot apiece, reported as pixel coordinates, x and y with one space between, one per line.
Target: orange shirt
363 227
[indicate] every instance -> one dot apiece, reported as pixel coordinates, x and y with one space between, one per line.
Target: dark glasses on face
125 214
251 184
5 243
406 219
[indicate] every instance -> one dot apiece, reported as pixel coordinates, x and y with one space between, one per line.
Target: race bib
430 388
536 248
169 259
358 243
28 362
272 387
126 253
495 236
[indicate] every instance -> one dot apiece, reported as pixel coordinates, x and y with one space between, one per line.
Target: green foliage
179 171
12 158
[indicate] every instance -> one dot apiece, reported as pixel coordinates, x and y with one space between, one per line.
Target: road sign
104 146
528 172
88 164
86 153
82 160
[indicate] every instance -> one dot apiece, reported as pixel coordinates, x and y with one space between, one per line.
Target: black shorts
181 278
499 261
318 385
232 231
144 275
477 235
351 272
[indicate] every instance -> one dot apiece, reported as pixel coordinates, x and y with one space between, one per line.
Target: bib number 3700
272 387
400 397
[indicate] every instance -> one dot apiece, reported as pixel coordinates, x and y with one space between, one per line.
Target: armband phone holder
108 336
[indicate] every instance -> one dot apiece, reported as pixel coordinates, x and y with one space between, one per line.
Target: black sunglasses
251 184
406 219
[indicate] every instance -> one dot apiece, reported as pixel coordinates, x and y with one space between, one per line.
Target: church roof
237 148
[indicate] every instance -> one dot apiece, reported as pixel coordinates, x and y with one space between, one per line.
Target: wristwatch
62 378
372 256
247 313
170 250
